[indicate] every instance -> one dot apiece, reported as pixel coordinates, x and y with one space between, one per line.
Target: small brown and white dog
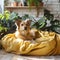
24 31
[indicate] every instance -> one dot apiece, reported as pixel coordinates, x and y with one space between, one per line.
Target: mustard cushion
47 44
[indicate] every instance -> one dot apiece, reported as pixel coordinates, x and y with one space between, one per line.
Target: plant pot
14 4
19 4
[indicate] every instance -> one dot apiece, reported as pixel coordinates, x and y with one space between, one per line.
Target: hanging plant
37 3
34 2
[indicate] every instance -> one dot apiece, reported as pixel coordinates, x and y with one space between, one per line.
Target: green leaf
13 16
1 16
39 23
3 28
56 28
41 26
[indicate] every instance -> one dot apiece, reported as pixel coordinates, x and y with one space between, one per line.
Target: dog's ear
17 22
28 22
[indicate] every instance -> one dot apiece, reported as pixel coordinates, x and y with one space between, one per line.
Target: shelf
12 8
21 7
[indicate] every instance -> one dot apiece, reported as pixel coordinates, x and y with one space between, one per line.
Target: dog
24 31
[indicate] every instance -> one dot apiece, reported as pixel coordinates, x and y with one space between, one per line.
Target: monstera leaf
48 15
39 23
24 17
13 16
56 26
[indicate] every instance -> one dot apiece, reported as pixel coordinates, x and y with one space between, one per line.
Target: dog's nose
25 28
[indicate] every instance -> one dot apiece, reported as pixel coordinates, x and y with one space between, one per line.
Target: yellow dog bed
47 44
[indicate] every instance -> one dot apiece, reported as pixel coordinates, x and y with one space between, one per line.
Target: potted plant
47 23
15 2
34 2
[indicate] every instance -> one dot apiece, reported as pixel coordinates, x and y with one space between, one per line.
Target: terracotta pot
19 4
15 3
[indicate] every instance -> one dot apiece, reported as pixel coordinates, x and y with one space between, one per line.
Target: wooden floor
9 56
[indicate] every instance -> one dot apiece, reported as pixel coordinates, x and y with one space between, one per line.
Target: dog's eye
21 24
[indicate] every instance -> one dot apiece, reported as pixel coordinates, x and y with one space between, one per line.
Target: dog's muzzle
25 28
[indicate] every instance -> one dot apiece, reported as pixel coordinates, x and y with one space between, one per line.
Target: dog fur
24 31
